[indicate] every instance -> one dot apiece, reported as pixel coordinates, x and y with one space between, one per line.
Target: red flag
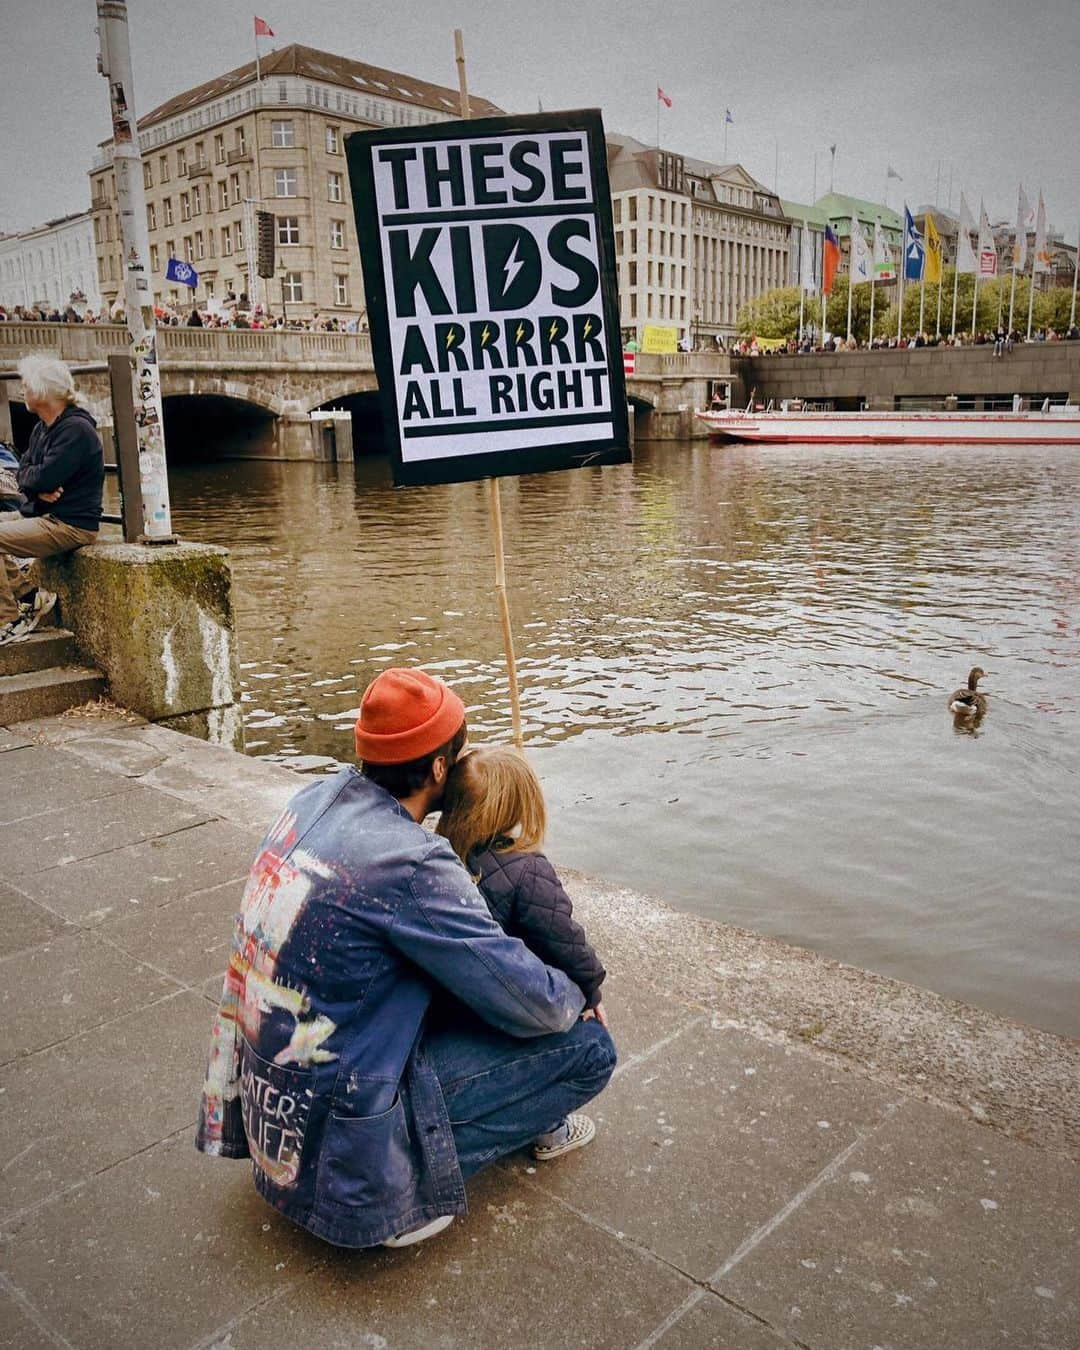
830 260
262 28
663 97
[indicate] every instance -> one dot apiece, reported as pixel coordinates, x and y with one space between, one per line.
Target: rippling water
734 666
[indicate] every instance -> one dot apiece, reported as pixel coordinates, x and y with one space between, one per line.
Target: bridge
263 386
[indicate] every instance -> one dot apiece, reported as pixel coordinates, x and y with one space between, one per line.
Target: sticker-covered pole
493 485
114 62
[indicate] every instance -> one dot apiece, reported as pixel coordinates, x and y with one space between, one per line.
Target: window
288 229
196 201
292 287
333 186
223 195
153 257
219 149
633 208
170 248
189 248
151 217
284 183
147 174
241 141
226 241
283 92
163 168
234 182
333 141
341 288
185 206
200 152
337 234
238 236
166 207
200 247
282 135
617 211
181 162
632 273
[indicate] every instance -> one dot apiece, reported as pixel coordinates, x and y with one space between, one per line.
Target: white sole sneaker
580 1132
428 1230
44 603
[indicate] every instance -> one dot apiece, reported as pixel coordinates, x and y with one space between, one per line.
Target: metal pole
1076 268
114 62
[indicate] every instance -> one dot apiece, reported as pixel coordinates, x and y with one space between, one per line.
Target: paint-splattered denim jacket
353 915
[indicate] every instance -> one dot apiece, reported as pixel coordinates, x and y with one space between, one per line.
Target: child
494 817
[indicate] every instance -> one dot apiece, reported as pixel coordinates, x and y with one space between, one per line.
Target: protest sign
489 266
662 341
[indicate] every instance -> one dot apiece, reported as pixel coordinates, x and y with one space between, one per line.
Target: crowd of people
232 312
1002 342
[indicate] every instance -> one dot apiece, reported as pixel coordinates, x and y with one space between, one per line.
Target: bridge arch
236 428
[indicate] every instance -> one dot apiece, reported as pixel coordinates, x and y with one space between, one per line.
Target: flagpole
922 297
803 238
903 274
1031 295
873 278
850 280
937 330
1076 268
955 287
1012 297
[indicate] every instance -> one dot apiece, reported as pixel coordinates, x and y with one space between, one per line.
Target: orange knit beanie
404 715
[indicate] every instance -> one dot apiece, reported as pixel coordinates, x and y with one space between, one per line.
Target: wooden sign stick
493 485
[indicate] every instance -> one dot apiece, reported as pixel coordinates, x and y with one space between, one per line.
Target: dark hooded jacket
67 454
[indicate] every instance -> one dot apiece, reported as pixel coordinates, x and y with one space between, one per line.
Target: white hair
44 377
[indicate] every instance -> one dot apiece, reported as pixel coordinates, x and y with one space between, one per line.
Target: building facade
836 210
214 153
51 267
694 241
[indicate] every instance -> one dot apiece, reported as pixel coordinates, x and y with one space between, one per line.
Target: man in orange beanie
380 1038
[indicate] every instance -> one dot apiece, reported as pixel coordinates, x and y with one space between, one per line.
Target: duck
969 702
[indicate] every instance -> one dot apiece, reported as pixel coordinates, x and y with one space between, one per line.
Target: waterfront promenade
792 1152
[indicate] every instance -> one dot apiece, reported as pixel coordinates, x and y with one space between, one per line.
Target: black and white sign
489 265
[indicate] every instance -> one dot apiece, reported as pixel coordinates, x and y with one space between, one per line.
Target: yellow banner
770 344
932 267
656 339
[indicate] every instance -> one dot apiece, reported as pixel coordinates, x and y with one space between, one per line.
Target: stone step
43 648
44 693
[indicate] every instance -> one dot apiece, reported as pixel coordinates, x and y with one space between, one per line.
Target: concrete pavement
791 1152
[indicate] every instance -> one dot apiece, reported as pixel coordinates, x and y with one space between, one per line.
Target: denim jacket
352 917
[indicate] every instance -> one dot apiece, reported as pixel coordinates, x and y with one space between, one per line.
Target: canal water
735 665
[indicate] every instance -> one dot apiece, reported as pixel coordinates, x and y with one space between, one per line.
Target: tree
1052 309
772 315
776 313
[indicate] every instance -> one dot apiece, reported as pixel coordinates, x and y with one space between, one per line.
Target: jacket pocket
366 1160
276 1103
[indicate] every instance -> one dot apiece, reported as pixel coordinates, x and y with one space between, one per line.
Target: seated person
61 476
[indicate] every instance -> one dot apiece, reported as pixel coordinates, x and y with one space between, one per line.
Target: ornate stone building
695 241
278 140
51 266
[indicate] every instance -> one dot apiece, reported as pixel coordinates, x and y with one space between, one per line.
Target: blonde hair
45 377
493 799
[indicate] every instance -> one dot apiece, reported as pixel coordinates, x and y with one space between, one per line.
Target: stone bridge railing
227 348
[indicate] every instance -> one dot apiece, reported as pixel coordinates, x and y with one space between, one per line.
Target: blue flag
914 250
183 272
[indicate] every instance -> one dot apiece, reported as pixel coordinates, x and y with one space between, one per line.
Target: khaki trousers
31 537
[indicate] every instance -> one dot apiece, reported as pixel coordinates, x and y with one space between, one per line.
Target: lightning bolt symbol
451 338
588 327
484 336
520 332
553 329
511 262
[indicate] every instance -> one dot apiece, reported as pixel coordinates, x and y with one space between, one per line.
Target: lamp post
284 308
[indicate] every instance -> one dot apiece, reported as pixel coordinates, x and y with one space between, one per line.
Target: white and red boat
1049 426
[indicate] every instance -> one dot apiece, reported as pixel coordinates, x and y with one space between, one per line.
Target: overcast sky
985 90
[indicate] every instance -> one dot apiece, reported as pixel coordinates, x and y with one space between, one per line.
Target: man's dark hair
402 780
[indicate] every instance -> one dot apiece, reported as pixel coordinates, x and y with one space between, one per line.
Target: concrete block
158 622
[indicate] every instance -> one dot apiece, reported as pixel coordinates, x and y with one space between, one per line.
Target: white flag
806 262
859 263
1041 262
988 259
884 262
965 254
1025 220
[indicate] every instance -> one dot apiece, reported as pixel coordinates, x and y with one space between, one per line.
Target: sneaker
575 1132
14 630
31 612
421 1234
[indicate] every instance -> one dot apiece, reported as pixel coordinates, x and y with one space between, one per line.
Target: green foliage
776 313
772 315
1052 309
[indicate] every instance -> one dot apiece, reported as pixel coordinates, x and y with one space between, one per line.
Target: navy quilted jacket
527 899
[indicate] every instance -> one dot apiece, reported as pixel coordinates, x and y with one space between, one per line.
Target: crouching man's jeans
501 1091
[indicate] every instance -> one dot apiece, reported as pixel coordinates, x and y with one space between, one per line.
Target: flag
262 28
830 260
914 249
965 254
884 262
933 268
663 97
890 172
183 272
860 263
988 259
807 281
1041 262
728 119
1025 220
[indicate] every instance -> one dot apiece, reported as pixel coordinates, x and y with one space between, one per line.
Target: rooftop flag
965 254
262 28
933 269
728 119
830 260
663 97
914 249
884 262
890 172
